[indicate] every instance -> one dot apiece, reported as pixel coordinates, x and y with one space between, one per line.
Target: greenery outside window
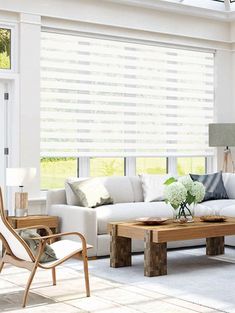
107 167
54 171
151 165
194 165
5 48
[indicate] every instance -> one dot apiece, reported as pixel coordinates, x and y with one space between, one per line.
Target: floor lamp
223 135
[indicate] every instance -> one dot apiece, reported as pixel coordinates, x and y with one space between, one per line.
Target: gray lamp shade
222 135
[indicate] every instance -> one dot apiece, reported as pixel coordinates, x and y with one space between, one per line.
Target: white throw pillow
153 186
91 193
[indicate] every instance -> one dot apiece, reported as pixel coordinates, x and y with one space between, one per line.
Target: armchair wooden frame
33 262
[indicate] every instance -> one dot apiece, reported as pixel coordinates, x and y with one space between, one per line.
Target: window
151 165
103 97
106 166
54 171
191 165
5 48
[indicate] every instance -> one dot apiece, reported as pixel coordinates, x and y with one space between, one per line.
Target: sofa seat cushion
218 206
228 211
130 211
201 209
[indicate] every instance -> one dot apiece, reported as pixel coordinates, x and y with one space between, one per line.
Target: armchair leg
26 292
2 262
1 265
85 266
53 276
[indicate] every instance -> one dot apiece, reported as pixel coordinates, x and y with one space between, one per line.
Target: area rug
192 276
195 283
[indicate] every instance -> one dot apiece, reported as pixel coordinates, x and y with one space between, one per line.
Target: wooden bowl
152 220
213 218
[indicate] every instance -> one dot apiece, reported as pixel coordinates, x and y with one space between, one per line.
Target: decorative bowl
152 220
213 218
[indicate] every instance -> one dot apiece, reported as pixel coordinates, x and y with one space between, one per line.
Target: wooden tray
213 218
152 220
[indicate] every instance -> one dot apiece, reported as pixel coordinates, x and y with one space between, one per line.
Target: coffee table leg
215 245
120 249
155 256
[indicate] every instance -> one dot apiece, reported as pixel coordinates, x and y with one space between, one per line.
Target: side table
32 220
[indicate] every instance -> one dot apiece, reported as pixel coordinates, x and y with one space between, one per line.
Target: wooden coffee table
156 238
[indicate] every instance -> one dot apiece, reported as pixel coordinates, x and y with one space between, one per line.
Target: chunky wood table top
170 231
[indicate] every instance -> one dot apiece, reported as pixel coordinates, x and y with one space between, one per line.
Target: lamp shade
19 176
222 135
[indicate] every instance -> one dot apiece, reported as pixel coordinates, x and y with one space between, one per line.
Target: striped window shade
103 97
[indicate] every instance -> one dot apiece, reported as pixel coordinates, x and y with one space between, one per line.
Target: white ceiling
216 9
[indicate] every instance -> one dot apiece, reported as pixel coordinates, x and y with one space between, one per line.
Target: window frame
13 52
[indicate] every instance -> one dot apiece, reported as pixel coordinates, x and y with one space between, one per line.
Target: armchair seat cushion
130 211
65 247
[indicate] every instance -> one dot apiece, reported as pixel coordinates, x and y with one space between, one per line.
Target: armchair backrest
14 244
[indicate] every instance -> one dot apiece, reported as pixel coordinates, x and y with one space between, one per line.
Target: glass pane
54 171
107 167
191 165
151 165
5 48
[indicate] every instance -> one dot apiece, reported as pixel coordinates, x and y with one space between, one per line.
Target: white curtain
101 97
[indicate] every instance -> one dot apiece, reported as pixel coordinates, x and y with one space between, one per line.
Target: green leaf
190 199
175 206
170 181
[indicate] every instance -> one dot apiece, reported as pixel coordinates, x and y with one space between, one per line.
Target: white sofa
128 204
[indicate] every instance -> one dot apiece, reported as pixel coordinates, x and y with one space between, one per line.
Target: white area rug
192 276
195 283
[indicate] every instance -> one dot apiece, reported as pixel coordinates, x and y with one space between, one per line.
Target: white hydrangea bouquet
181 194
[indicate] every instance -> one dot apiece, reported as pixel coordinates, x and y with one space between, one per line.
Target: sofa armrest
77 219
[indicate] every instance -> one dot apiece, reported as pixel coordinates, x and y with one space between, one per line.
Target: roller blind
101 97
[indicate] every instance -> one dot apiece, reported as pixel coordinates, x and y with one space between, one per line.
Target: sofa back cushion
120 189
137 188
153 186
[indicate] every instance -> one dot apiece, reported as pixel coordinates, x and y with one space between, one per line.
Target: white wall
113 19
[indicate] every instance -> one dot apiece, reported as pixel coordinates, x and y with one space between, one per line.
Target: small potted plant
181 194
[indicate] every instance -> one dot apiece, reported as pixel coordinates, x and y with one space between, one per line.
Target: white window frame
14 42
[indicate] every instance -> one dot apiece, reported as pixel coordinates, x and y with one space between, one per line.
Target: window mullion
172 165
130 166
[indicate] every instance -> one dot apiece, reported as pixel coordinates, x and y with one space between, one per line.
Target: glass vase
184 214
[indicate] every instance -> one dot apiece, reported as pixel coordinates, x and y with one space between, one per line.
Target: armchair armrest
83 240
46 228
37 227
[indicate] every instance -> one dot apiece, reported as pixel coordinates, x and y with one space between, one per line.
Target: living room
117 111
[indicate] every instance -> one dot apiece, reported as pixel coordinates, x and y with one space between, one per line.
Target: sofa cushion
213 184
229 184
137 188
91 193
130 211
228 211
201 209
153 186
218 206
120 189
71 197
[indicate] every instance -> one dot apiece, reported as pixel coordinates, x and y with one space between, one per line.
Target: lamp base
21 204
21 212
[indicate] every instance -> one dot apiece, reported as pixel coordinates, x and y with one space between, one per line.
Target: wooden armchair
18 253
